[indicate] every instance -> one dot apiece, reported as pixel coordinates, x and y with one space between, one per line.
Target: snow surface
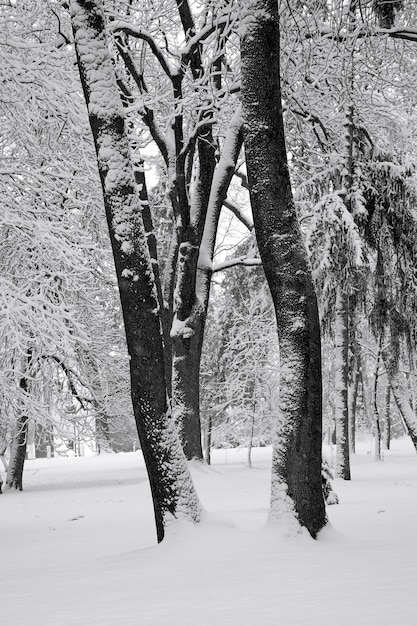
78 547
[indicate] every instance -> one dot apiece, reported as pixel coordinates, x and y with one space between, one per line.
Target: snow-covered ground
78 547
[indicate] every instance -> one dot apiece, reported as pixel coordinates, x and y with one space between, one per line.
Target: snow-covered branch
139 33
242 260
237 212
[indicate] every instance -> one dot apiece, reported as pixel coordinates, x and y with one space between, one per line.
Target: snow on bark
341 385
221 181
172 489
14 476
296 492
188 332
218 192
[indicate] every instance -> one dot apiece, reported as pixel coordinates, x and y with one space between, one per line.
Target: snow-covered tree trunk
189 320
14 477
186 360
388 417
377 420
353 405
172 489
400 393
296 466
341 380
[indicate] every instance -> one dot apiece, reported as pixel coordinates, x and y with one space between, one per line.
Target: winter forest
208 301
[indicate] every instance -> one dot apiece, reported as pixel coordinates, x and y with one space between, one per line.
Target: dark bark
186 389
189 321
153 252
296 480
172 490
377 420
353 405
14 476
341 332
388 417
208 438
400 393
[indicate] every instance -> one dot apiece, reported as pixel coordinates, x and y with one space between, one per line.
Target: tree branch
219 267
139 33
233 208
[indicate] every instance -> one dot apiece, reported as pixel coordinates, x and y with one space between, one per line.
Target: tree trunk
172 489
190 320
208 438
186 389
251 433
353 404
377 421
296 467
14 476
341 385
366 393
388 417
400 393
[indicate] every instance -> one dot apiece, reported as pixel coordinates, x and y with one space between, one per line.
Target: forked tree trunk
172 489
296 466
341 385
191 320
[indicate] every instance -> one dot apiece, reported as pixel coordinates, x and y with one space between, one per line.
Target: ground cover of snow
78 547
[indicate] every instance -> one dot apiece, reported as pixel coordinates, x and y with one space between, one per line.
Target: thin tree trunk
388 417
377 421
208 438
250 442
172 489
296 468
353 397
341 385
103 439
400 393
366 394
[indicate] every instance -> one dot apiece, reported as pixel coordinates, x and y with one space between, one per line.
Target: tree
296 466
56 286
171 485
336 146
191 68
